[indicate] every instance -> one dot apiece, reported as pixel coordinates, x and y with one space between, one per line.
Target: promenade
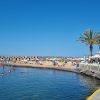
95 95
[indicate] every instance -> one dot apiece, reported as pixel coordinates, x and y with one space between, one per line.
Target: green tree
90 38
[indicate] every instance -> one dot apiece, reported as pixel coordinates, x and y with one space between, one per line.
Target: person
98 60
63 62
9 71
66 61
40 62
2 73
77 65
54 63
2 65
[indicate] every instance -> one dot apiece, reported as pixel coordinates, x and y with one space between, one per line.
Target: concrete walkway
95 95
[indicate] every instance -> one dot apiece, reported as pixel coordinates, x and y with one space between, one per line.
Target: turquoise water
44 84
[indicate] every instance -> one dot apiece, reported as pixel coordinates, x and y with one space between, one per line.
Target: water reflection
43 84
90 82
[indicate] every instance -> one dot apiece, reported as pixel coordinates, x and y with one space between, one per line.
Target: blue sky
46 27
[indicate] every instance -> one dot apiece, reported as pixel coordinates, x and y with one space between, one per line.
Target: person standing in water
2 65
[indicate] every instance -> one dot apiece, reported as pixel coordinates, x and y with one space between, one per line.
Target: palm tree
89 38
98 42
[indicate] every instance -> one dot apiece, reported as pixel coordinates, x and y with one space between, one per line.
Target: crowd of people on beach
51 63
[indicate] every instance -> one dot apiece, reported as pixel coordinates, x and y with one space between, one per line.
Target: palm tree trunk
91 50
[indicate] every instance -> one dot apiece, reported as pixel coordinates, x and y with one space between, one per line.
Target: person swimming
2 74
9 71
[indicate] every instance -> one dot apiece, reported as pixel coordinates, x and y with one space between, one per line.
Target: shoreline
61 68
69 68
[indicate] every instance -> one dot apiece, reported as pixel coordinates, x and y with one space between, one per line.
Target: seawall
90 69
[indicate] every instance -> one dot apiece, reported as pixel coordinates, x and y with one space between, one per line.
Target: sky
47 27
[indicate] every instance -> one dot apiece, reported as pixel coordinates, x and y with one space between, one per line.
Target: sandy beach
45 64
